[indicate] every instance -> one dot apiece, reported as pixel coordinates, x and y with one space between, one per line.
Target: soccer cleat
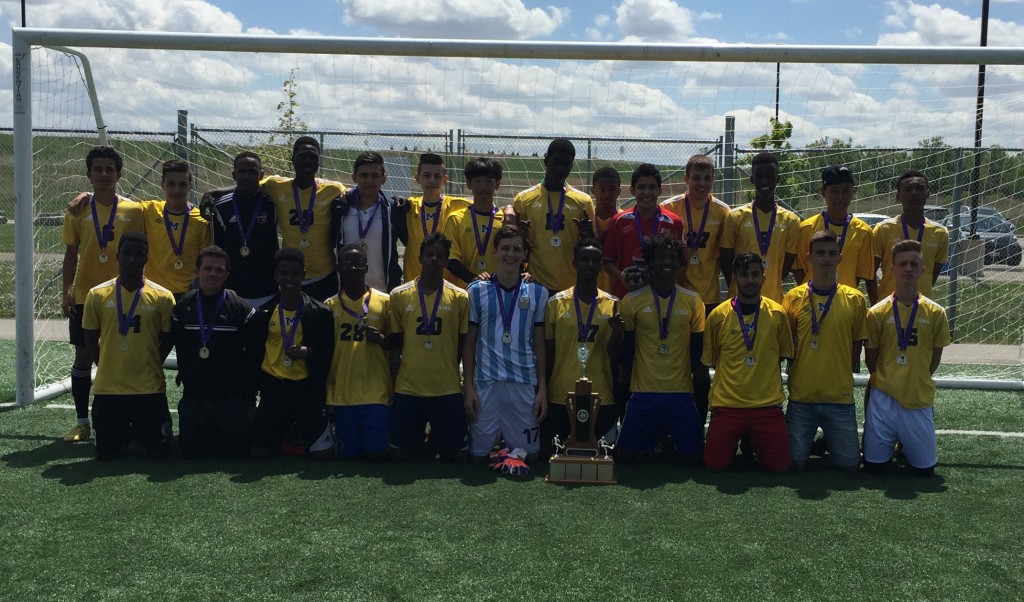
82 432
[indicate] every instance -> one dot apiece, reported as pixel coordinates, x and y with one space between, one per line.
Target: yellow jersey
562 325
822 368
662 365
737 383
459 229
320 250
551 243
129 364
421 221
430 361
934 250
80 230
858 260
910 382
275 362
360 372
741 236
702 276
190 233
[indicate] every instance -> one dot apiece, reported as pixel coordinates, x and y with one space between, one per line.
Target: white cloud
709 16
497 19
933 25
654 21
853 33
135 15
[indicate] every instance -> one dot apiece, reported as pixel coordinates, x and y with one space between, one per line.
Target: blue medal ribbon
903 334
124 322
246 233
366 306
206 331
176 245
435 218
815 321
846 225
364 230
663 322
749 332
428 323
906 232
640 224
764 239
693 238
105 233
583 329
481 246
557 220
288 334
304 217
506 315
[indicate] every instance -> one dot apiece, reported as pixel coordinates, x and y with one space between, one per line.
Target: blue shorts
837 420
649 416
362 429
446 415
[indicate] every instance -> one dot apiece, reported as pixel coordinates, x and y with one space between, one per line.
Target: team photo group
314 318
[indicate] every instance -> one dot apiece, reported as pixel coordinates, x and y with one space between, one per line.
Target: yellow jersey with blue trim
663 326
82 231
858 258
360 373
562 325
422 220
430 352
934 250
742 235
169 232
294 213
701 274
553 235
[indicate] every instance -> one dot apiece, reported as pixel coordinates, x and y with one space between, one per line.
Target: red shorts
768 435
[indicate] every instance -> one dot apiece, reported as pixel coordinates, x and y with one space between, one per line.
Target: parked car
49 219
870 218
1001 244
936 213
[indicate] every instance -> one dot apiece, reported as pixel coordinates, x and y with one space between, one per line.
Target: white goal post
583 55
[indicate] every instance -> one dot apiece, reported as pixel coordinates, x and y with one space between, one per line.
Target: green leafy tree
277 152
795 181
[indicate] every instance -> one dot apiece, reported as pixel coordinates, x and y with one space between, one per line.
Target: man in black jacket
211 328
295 335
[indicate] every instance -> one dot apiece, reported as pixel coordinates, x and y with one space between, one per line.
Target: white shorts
506 410
887 422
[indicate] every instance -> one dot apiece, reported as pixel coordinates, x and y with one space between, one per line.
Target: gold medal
750 361
104 258
179 264
123 344
204 352
244 251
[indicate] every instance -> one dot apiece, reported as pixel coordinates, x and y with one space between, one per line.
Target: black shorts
284 404
118 419
76 334
446 415
213 427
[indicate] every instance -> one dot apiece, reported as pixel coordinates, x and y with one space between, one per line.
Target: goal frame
23 39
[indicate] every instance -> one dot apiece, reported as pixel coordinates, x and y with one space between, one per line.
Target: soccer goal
204 98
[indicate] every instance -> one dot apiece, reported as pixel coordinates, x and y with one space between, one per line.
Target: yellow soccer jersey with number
422 221
737 384
655 371
273 356
287 201
360 372
739 234
80 230
858 259
911 383
702 277
551 263
934 250
822 370
459 230
562 326
129 364
173 271
430 361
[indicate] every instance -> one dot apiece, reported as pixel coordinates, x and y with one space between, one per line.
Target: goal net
206 98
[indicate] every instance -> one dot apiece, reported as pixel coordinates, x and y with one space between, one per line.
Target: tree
794 168
277 152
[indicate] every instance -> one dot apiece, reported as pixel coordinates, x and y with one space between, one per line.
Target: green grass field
298 529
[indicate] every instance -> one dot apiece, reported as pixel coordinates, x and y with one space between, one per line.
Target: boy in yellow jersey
359 382
906 334
664 334
425 214
581 321
703 218
91 238
309 216
556 212
368 218
428 322
745 340
605 187
296 335
126 322
828 321
854 236
176 231
763 228
470 229
912 194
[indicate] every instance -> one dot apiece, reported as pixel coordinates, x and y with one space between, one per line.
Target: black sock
81 386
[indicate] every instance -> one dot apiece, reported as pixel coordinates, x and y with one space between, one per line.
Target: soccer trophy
583 458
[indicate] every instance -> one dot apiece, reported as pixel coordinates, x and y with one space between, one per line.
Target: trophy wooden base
581 469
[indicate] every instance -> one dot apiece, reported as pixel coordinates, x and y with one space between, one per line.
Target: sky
866 104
